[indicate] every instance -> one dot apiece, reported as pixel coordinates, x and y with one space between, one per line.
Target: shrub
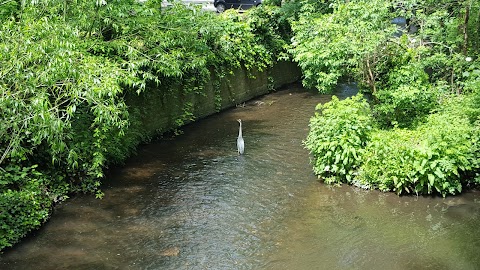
65 71
405 105
338 134
433 158
24 202
330 46
407 95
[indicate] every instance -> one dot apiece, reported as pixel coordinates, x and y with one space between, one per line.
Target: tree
330 46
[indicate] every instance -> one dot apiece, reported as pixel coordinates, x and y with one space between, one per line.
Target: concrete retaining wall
156 111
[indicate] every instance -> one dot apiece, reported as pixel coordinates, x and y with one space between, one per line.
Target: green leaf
431 180
439 173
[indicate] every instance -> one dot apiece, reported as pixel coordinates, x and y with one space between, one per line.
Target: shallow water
192 203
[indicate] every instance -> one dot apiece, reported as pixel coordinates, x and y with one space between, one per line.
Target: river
191 202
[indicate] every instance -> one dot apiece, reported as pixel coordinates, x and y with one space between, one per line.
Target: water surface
191 202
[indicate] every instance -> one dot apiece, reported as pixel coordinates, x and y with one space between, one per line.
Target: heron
240 143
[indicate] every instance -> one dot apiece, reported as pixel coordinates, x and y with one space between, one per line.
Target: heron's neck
240 130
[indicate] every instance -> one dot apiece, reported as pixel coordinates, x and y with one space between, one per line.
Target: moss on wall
156 111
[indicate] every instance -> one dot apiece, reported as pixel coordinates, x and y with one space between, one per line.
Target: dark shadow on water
346 89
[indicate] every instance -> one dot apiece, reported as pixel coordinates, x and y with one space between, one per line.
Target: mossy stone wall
156 111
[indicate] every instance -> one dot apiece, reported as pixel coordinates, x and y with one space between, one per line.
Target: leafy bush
271 29
405 105
426 80
235 43
434 158
333 45
338 134
471 76
441 155
24 202
65 71
53 95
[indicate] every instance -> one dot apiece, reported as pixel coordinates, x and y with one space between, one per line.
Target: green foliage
356 39
404 106
65 69
271 30
406 95
47 88
8 9
24 202
433 158
473 26
425 87
236 43
60 106
338 134
333 45
471 76
186 117
439 156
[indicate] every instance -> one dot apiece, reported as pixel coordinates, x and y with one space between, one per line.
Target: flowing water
192 203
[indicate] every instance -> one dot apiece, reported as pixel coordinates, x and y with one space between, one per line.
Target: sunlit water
192 203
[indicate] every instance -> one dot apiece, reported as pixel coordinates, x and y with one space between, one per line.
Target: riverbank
191 202
78 95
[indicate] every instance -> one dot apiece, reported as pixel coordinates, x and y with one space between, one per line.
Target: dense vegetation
420 132
65 68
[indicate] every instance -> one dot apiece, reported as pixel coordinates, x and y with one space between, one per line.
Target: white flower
468 59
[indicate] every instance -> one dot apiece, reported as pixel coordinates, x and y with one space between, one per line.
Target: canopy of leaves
65 68
332 45
425 86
